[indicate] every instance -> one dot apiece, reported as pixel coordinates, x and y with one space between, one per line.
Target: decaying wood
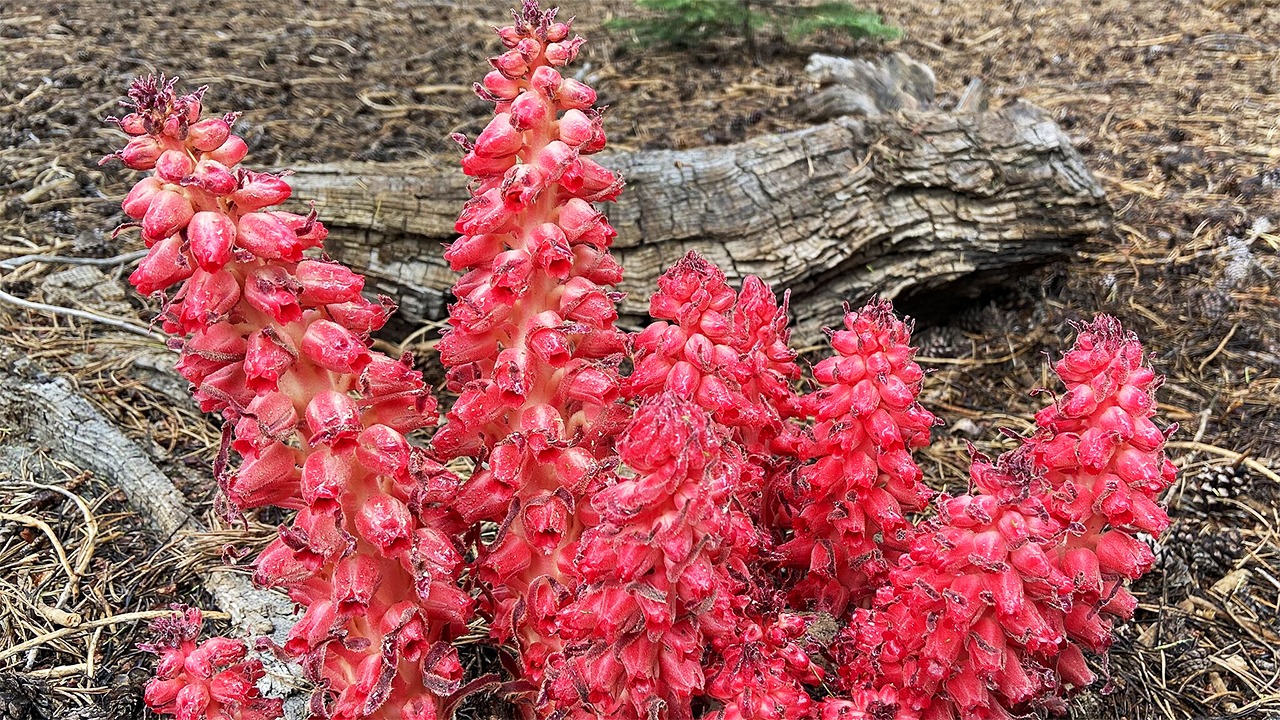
48 412
907 204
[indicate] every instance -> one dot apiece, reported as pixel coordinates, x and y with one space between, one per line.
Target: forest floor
1174 105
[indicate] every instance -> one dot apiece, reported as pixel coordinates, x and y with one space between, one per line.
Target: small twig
48 531
124 259
1229 454
91 651
57 672
125 325
103 622
91 524
1230 334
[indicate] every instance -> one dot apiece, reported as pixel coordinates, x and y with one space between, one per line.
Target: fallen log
921 204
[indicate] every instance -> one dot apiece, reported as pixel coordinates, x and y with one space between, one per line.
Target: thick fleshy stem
277 342
532 348
846 509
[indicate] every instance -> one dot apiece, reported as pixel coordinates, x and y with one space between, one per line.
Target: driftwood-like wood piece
922 204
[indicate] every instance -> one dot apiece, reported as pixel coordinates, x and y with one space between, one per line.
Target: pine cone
1208 493
1171 562
1214 554
22 699
1190 661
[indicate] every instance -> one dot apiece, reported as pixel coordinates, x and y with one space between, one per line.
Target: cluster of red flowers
663 542
278 343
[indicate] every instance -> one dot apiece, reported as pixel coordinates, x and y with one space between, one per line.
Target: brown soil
1174 106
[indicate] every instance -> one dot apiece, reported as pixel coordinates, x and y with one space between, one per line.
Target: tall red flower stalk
726 354
277 342
532 349
846 507
655 571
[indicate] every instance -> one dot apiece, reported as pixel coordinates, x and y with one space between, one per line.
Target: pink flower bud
174 165
310 232
361 316
142 152
469 251
547 342
482 214
230 152
272 290
529 48
510 36
133 124
208 135
261 190
558 31
267 237
334 419
334 348
586 302
560 53
267 478
164 266
268 356
161 694
191 702
511 64
546 519
139 198
574 95
502 87
355 580
213 177
529 110
576 129
383 450
325 476
1124 555
314 629
168 213
386 523
207 298
327 282
499 138
598 180
212 235
546 80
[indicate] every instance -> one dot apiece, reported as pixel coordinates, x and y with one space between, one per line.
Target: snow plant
662 524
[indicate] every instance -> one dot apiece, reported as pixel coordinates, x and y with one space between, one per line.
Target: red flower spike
1030 565
859 478
553 385
276 341
207 680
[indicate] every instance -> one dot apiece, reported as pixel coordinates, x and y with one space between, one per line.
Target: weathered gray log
864 87
904 204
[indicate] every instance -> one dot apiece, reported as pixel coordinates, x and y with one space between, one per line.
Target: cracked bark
923 204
